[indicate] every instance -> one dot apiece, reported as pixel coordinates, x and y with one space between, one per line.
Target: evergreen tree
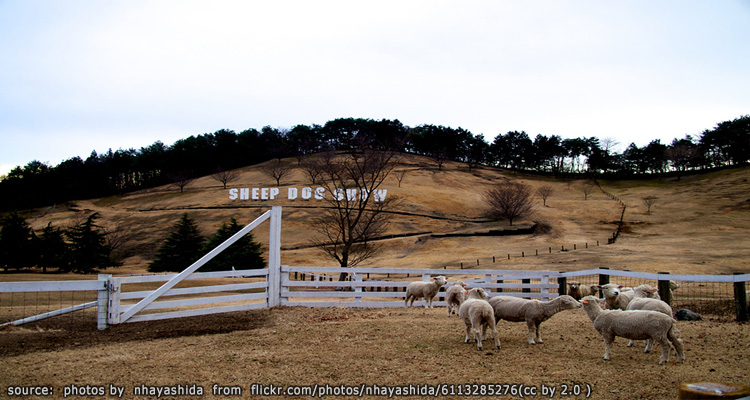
52 249
16 243
182 248
245 253
89 251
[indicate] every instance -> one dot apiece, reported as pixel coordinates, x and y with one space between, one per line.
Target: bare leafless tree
587 188
400 176
312 168
649 201
277 169
181 180
225 176
544 192
509 200
357 206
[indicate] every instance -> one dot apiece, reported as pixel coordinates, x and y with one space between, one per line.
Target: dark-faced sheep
478 317
534 312
579 291
426 290
638 325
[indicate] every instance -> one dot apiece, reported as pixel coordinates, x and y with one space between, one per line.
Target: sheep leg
648 346
532 331
539 332
406 301
427 303
495 336
484 331
468 330
631 342
477 337
608 339
677 342
665 348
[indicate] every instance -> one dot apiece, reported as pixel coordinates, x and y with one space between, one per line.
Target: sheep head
610 289
477 293
568 303
440 280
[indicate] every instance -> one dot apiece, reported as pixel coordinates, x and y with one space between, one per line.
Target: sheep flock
632 313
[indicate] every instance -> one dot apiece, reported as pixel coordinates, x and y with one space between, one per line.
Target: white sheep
643 300
617 296
639 325
478 316
426 290
455 295
579 291
534 312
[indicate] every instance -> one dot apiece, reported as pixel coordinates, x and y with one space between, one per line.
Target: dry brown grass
340 346
697 225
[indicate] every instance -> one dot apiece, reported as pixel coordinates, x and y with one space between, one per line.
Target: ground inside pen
288 346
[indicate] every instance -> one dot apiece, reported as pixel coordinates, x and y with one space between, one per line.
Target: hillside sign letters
305 193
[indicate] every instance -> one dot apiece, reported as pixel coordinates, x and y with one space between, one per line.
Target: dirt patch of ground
348 346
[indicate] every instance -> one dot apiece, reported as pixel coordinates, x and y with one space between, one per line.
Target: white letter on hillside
320 193
380 194
233 194
292 193
274 193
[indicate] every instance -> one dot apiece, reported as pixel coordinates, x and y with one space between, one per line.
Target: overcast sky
78 76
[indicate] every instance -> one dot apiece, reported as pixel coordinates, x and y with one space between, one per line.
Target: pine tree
16 243
245 253
52 249
182 248
89 251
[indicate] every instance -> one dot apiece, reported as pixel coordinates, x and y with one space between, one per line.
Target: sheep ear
584 301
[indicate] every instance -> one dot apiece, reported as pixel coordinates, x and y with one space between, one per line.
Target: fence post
102 302
274 258
603 280
544 290
113 306
488 280
358 288
562 281
664 292
740 300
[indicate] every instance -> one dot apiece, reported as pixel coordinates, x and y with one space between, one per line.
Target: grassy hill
697 225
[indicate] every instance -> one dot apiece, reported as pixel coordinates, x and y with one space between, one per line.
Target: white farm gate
122 299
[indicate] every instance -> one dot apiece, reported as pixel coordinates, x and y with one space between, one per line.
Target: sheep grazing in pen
638 325
478 315
455 295
579 291
534 312
643 300
426 290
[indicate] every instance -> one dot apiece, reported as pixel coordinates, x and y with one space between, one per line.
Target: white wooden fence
190 293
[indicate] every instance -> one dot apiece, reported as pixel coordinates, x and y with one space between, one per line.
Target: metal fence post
562 282
664 292
740 300
603 280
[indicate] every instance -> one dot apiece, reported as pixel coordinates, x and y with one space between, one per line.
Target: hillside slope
698 225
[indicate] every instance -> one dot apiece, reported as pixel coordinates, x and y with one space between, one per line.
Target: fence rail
204 293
